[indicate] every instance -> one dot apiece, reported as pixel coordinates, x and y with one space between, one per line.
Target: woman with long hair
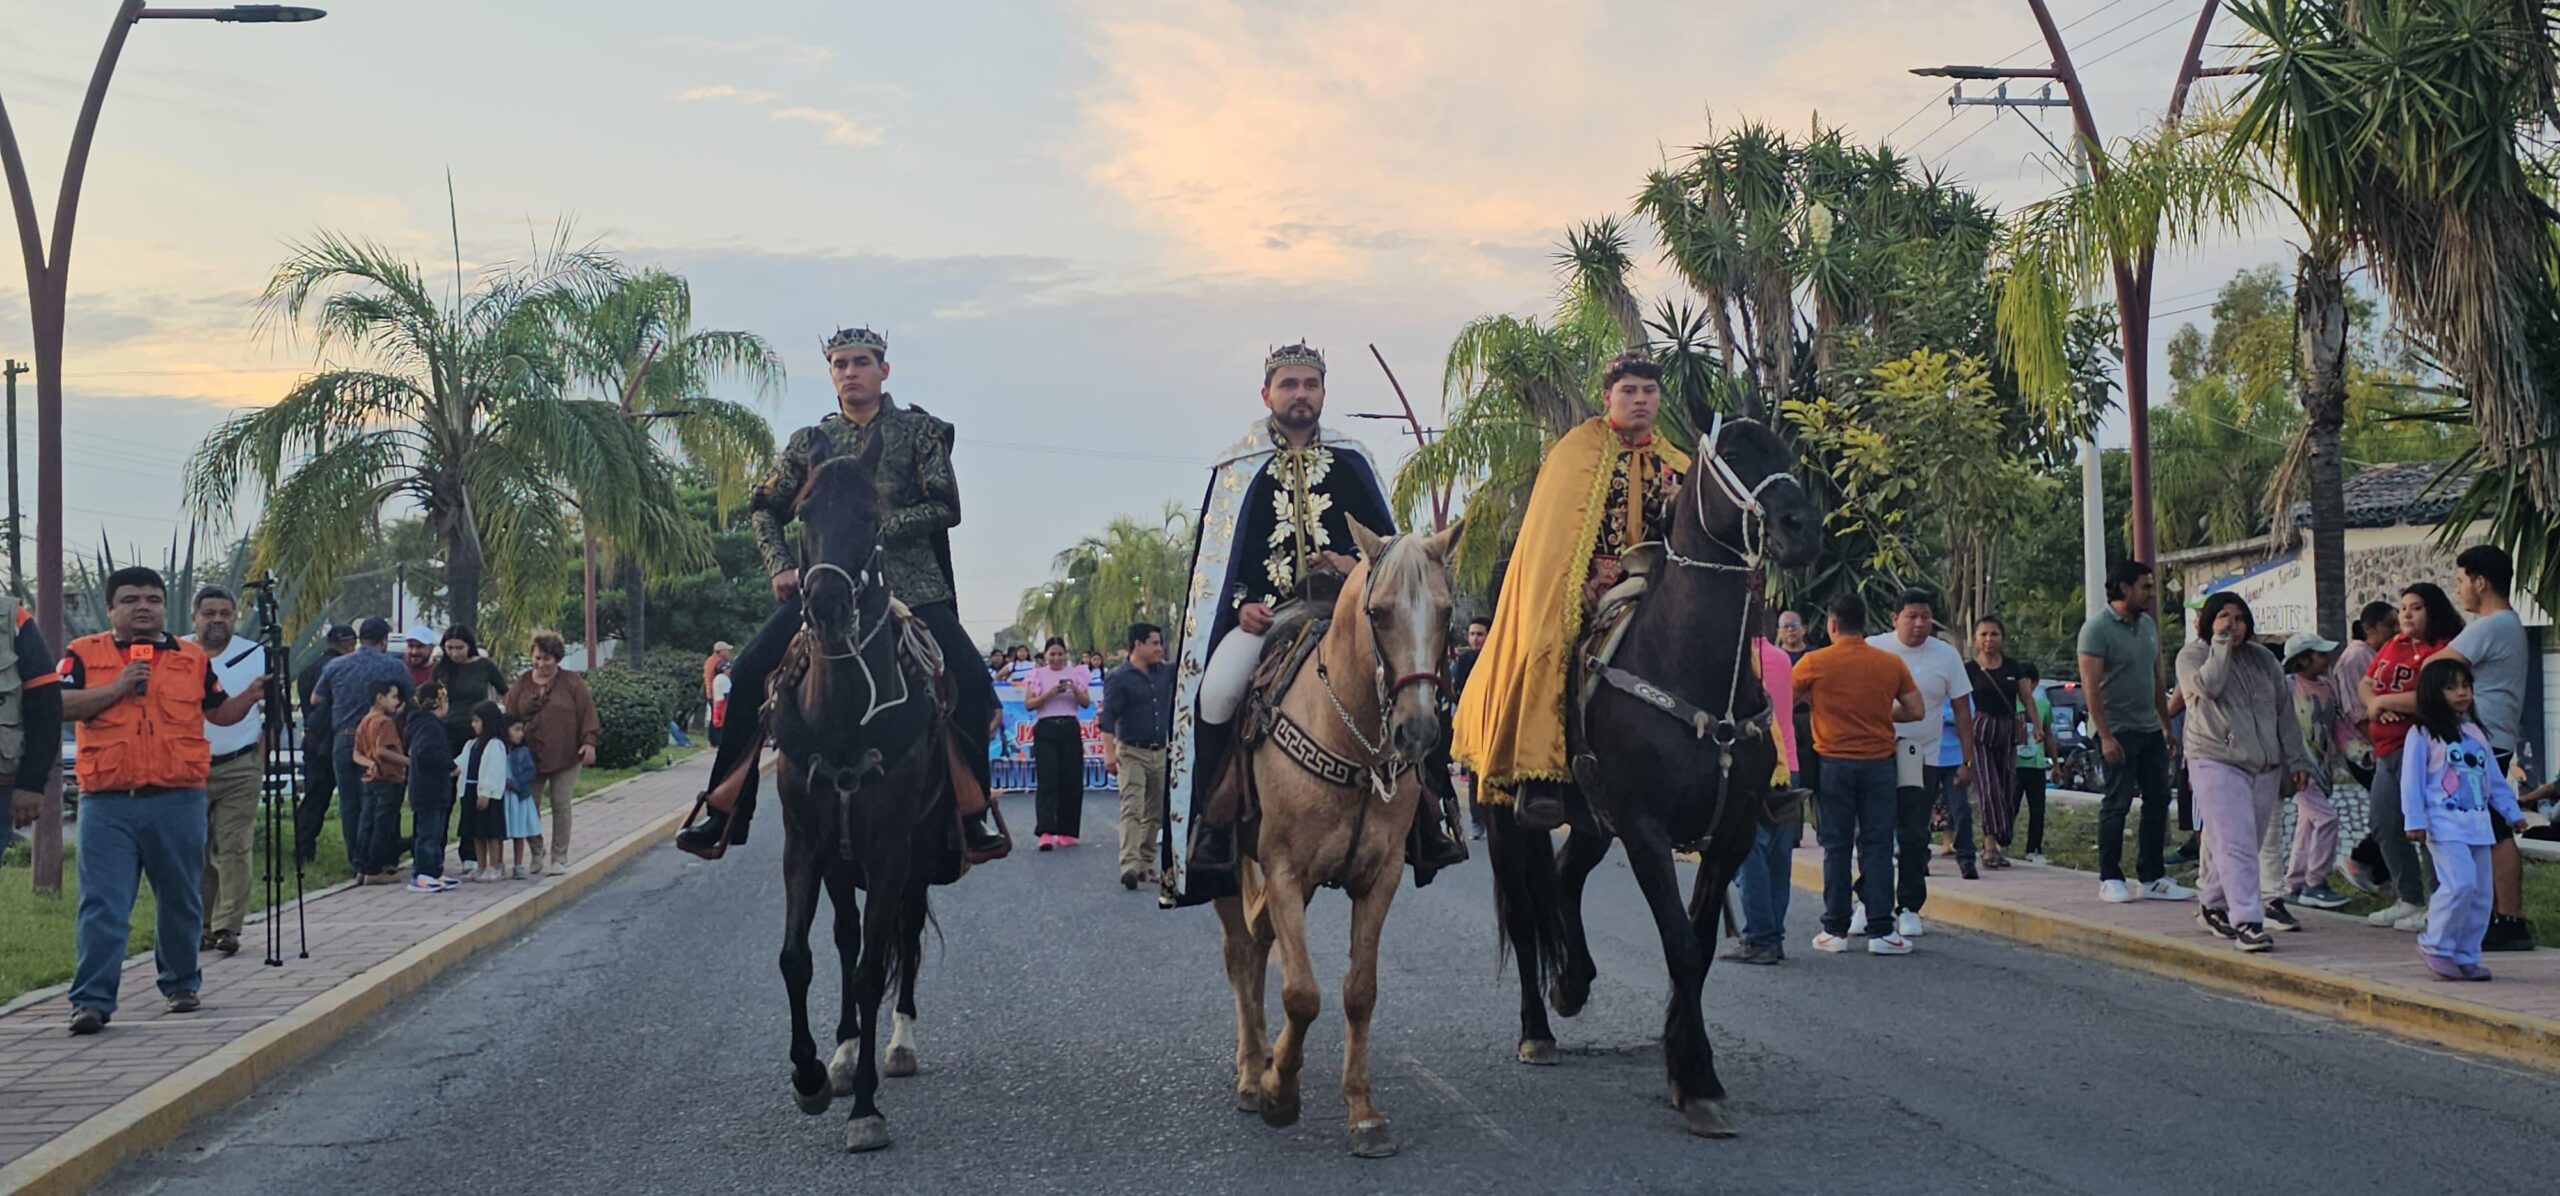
1995 736
2242 743
1053 693
2390 694
469 678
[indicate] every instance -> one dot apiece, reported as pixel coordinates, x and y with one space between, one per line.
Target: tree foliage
1133 571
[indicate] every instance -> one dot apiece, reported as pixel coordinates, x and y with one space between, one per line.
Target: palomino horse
866 799
1676 751
1364 713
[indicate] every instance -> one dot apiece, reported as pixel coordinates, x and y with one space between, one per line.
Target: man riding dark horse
921 497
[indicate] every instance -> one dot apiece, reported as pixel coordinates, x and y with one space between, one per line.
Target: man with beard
1278 516
921 497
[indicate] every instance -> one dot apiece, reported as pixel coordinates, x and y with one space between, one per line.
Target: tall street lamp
48 283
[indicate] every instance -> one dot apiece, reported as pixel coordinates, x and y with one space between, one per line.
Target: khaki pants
1142 783
231 817
562 788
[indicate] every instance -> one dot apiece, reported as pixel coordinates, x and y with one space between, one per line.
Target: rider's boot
1539 805
722 813
1430 848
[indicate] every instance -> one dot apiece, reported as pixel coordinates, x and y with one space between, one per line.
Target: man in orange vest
141 699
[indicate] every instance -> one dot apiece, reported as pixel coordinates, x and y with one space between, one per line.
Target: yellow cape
1510 724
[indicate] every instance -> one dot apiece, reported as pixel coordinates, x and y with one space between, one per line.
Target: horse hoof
841 1068
1373 1140
1538 1052
813 1102
866 1133
1279 1114
1707 1119
1248 1100
1567 998
901 1064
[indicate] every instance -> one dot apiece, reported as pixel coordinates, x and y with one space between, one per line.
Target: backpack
13 696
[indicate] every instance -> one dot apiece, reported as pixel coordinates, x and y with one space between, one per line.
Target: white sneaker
2165 889
1908 922
2413 923
2036 857
2115 892
1857 922
2391 914
1833 943
470 868
1891 944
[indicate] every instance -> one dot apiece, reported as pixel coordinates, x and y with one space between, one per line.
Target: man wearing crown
1277 521
921 499
1603 489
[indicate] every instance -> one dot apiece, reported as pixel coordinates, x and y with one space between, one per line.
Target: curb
2410 1013
156 1115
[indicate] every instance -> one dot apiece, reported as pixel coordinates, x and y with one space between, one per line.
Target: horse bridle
857 639
1383 767
1746 499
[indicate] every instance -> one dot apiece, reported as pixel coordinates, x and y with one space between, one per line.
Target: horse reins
858 640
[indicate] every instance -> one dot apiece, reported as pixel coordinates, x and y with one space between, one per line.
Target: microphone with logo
140 653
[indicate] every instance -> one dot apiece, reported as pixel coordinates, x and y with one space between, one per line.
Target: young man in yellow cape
1604 488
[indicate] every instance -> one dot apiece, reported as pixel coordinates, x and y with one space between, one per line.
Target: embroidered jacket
921 497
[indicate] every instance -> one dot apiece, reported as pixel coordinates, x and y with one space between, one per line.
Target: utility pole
1421 438
2133 278
17 580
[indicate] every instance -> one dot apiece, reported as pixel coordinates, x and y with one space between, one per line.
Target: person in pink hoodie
1764 881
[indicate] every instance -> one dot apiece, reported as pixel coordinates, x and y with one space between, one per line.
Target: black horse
857 715
1677 754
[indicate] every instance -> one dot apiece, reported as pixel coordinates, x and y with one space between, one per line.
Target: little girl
484 788
2450 786
524 815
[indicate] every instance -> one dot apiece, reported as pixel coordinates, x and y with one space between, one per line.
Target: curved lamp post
48 280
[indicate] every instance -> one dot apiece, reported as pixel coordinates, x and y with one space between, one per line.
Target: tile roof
2387 495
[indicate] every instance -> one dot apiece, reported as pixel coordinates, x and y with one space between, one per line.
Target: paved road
1077 1039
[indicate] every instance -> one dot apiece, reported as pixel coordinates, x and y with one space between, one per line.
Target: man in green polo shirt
2120 670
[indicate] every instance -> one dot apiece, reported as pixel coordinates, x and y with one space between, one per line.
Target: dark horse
866 796
1676 754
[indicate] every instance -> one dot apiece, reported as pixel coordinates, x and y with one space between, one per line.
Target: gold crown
1297 354
857 338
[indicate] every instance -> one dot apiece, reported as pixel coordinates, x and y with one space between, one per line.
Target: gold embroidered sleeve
769 507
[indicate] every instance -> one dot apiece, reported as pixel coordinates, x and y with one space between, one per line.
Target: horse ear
1445 543
1370 544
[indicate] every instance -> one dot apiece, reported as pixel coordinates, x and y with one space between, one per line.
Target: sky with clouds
1080 223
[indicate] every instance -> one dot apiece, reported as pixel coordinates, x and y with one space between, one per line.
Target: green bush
635 708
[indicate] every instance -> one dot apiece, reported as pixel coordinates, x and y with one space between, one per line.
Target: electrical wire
2181 21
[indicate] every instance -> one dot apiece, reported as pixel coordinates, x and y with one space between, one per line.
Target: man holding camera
142 700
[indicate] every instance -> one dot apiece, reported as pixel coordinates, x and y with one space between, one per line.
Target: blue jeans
123 838
1857 804
382 824
428 819
350 777
1764 883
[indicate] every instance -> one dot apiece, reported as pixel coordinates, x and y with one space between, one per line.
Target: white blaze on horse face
1412 585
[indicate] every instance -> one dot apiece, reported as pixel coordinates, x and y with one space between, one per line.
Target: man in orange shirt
1856 692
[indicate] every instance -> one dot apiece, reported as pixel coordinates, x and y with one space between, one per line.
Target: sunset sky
1079 224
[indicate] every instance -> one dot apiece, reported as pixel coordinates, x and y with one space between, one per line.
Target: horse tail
1528 903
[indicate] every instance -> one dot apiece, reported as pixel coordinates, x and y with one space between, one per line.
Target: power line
2182 19
2113 29
2004 60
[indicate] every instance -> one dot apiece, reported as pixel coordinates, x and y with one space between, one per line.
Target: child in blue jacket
2450 786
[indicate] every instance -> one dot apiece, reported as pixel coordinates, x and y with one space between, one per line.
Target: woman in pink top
1764 879
1054 691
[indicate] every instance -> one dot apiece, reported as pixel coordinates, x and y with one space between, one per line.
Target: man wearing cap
419 653
344 696
2301 876
319 772
921 499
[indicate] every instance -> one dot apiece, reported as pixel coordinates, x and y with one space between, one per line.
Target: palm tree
2417 133
457 411
1134 572
635 341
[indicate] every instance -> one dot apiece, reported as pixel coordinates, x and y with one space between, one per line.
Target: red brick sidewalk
50 1082
2059 908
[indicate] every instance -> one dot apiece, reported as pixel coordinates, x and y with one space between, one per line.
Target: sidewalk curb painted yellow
158 1114
2411 1013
